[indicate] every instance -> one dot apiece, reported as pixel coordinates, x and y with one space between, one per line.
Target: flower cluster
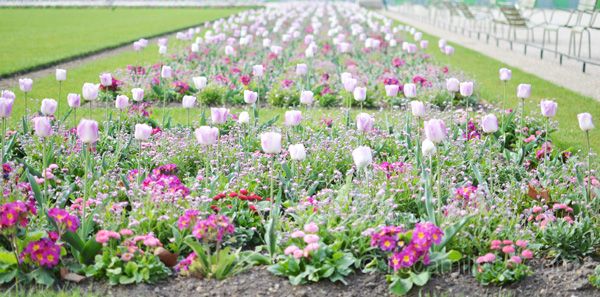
407 247
391 169
466 193
509 249
44 252
243 194
163 180
13 214
307 237
64 219
213 228
542 215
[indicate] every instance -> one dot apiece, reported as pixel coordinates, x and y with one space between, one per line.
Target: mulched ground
562 280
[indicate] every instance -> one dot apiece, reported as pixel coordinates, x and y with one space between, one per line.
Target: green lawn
484 71
38 36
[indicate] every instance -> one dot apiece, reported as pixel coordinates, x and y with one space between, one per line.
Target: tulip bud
293 118
364 122
391 90
90 91
166 72
360 93
87 131
428 148
250 97
489 123
121 102
435 130
453 85
466 88
142 132
297 152
74 100
362 157
6 106
61 74
505 74
270 142
219 115
200 82
244 118
417 109
410 90
206 135
258 70
137 94
548 108
42 126
48 107
25 84
585 121
306 97
188 101
301 69
106 79
524 91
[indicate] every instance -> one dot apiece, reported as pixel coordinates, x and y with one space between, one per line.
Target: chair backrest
527 4
513 16
464 9
586 5
451 7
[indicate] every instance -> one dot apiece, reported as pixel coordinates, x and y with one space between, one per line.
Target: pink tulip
306 97
137 94
301 69
42 126
270 142
466 88
142 132
410 90
6 106
206 135
548 108
364 122
74 100
166 72
293 118
121 102
524 91
25 84
200 82
90 91
505 74
489 123
585 121
435 130
250 97
219 115
349 84
106 79
391 90
417 109
188 101
453 85
362 156
258 70
48 107
87 131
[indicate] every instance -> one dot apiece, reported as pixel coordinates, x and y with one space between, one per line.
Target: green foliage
565 241
500 273
212 95
594 278
142 268
325 263
281 97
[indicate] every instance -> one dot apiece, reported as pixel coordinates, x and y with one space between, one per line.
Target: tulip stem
58 100
544 148
3 135
85 184
188 118
589 161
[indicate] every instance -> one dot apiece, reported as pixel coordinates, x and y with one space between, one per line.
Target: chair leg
555 43
580 42
589 43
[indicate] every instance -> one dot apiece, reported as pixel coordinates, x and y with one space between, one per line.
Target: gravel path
568 75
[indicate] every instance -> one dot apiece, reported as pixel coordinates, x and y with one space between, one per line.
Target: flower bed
430 182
